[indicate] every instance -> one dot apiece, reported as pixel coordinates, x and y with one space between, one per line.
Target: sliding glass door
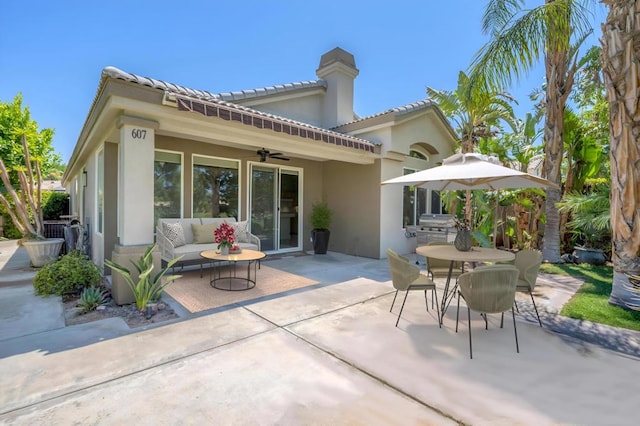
275 194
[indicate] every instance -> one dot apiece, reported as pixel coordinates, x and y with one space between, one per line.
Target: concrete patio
328 354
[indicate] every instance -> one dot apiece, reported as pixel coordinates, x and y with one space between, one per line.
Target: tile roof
205 95
398 111
216 105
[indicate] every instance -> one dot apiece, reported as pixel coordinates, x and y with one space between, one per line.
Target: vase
463 240
224 250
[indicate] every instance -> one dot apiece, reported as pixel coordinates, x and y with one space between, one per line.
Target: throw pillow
240 231
203 234
174 233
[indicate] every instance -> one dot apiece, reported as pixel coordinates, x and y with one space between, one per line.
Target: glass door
275 196
289 193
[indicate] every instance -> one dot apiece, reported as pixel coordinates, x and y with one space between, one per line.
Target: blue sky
53 52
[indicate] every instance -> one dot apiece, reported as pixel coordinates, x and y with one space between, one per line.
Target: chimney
338 69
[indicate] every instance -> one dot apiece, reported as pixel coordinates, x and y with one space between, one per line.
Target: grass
591 302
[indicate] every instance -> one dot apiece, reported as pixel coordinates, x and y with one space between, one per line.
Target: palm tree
621 68
519 38
475 114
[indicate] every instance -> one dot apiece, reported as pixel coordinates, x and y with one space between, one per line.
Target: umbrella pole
467 206
495 221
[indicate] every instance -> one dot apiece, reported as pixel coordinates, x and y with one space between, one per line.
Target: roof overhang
218 122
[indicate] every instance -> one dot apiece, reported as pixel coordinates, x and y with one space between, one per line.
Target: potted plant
321 216
25 209
590 223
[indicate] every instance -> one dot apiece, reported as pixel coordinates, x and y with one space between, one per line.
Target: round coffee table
233 281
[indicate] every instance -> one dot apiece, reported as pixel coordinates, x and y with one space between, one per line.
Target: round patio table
228 282
449 252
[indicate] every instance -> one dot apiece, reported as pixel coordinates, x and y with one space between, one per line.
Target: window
417 154
167 189
215 187
100 191
436 203
414 203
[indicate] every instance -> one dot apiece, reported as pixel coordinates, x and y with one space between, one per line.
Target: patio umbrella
471 171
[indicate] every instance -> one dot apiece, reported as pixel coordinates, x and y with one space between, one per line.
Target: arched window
417 154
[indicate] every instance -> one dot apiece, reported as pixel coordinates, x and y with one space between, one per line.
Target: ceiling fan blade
279 158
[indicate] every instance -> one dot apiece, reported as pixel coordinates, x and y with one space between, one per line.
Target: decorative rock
101 308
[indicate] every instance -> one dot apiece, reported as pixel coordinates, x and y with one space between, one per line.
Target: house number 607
138 134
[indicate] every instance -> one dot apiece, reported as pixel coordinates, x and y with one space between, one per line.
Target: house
150 149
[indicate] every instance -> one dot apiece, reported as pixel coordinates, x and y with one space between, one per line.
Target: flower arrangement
462 224
224 235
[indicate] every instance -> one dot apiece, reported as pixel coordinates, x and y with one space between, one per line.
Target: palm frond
499 14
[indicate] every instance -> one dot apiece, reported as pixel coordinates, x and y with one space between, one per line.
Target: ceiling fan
264 154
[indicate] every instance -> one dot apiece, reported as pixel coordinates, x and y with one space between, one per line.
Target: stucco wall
307 109
110 238
353 193
427 129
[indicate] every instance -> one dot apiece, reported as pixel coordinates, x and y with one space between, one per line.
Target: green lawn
591 301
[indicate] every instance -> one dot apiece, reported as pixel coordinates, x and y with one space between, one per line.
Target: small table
252 257
449 252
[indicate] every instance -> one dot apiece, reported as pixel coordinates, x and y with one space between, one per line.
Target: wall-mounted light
84 178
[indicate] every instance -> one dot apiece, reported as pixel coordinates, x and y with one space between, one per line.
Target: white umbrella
471 171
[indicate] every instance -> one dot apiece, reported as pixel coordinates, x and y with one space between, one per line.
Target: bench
190 236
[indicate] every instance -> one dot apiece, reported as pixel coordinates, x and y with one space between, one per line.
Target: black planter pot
320 239
589 255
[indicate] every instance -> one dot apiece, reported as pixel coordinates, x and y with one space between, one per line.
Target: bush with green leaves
91 298
148 288
70 274
54 205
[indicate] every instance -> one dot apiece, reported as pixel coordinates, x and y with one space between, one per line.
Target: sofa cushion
203 234
240 231
174 233
216 220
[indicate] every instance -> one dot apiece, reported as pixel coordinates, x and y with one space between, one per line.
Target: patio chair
488 290
407 277
439 267
528 264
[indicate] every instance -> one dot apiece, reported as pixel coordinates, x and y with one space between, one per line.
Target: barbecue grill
434 227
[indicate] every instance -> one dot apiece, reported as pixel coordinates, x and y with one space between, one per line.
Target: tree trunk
621 68
559 82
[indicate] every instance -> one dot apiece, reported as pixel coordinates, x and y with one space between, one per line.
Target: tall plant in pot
25 209
321 216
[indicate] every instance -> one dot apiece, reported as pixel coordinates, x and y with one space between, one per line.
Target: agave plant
148 288
90 299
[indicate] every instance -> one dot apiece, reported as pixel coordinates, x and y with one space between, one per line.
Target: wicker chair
440 267
488 289
528 264
407 277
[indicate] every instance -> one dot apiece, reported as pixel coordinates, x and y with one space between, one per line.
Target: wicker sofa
188 237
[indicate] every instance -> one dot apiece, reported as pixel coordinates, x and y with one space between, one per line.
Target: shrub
54 205
90 299
70 274
321 215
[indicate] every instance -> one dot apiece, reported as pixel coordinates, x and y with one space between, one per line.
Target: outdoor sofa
188 237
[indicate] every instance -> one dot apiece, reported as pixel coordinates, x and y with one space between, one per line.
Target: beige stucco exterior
367 216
